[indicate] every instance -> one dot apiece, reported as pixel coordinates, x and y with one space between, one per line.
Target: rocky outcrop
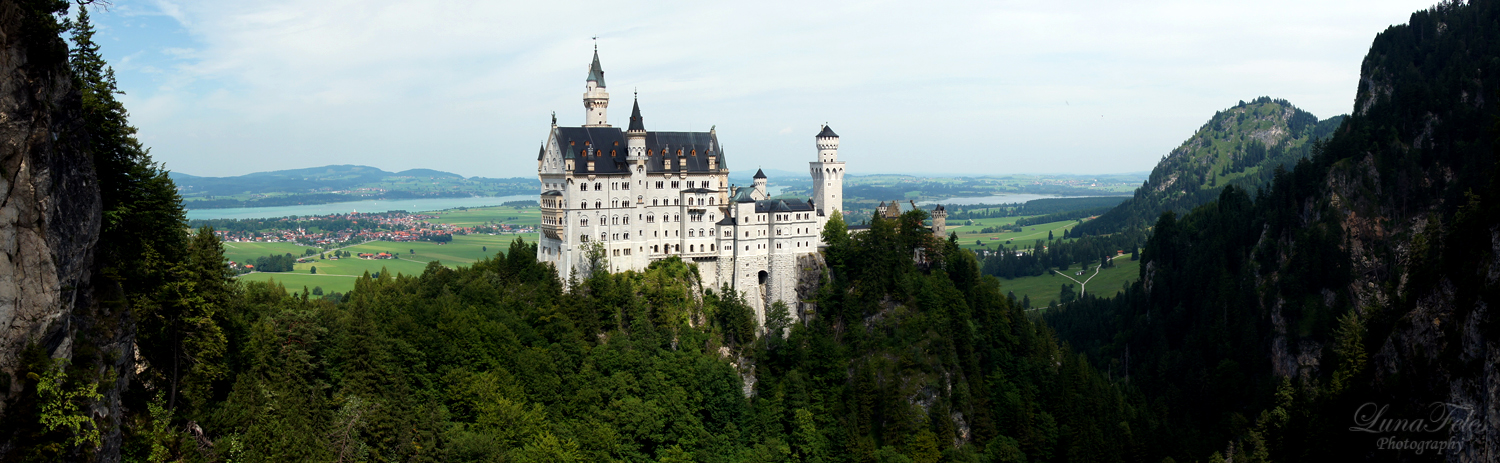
50 217
810 271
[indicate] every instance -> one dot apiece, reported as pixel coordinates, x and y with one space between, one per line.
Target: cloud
468 86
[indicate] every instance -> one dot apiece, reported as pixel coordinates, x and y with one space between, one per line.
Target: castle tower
635 149
595 99
760 184
828 175
940 222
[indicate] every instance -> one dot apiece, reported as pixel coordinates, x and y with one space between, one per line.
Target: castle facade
640 196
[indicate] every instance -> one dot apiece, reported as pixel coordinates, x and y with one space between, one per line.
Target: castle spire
595 98
636 124
596 72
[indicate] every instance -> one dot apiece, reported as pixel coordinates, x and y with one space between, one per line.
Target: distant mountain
427 173
1241 146
316 185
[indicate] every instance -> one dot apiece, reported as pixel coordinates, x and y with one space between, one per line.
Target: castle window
713 247
710 201
583 187
627 236
690 233
597 186
583 205
640 199
625 220
591 166
674 185
653 202
598 204
666 164
690 248
583 238
584 222
614 220
650 219
658 185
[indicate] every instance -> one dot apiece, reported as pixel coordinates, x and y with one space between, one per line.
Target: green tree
313 270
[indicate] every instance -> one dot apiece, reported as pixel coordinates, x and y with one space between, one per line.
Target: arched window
583 205
690 233
598 204
614 220
603 236
599 186
710 232
640 199
625 220
676 218
583 222
710 201
583 187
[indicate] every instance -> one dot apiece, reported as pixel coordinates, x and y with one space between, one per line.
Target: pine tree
141 206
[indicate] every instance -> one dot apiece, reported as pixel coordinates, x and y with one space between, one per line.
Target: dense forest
1263 319
1358 280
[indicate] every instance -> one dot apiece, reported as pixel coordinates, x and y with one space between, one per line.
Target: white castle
642 196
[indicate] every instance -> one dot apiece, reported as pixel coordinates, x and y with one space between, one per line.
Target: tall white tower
595 99
828 175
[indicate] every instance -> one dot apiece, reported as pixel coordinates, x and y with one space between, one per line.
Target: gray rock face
50 217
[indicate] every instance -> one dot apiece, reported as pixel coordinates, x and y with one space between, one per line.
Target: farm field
483 215
248 252
1024 238
338 275
1044 288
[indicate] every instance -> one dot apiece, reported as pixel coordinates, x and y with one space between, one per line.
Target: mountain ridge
1242 146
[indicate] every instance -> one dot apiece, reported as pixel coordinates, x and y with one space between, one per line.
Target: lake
375 205
1016 198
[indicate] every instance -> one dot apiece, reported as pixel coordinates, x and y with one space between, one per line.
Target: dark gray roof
782 205
699 190
552 193
636 125
596 73
607 147
742 195
827 131
727 220
541 151
760 174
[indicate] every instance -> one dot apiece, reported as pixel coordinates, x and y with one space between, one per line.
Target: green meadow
338 275
1024 238
1044 289
248 252
468 217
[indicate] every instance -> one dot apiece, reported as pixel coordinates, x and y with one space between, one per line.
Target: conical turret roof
596 73
759 173
636 124
827 131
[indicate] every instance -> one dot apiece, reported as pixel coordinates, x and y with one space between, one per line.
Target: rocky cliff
50 219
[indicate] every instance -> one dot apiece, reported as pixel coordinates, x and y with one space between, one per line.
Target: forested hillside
318 185
1286 325
1240 146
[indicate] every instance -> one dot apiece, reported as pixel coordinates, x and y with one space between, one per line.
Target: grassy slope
1043 289
1024 238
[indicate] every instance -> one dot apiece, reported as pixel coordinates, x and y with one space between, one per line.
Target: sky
223 88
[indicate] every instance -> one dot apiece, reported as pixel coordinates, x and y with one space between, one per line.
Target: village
341 230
